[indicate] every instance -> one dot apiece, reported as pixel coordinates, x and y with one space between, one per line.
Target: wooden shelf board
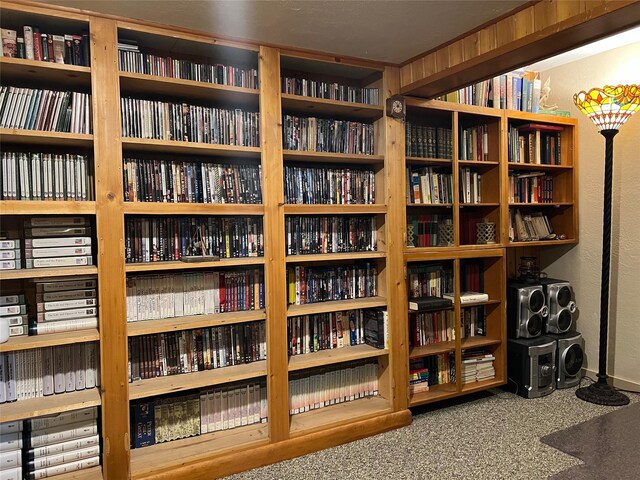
542 243
312 106
427 250
93 473
140 83
193 148
152 387
478 163
159 208
540 117
428 161
482 204
483 385
322 209
147 460
20 70
479 304
41 137
335 306
36 407
48 272
325 257
430 205
301 156
433 349
435 393
146 327
536 166
338 414
177 265
481 246
48 207
541 205
478 341
49 340
332 356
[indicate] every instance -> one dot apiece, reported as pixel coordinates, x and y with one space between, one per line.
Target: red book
541 127
37 44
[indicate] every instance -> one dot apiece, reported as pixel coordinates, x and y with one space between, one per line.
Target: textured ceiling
383 30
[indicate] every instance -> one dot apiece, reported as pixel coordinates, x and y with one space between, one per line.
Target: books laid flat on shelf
151 180
429 186
337 234
428 141
328 283
312 134
40 372
376 328
48 110
324 331
428 328
428 303
46 176
59 242
477 365
13 311
187 351
189 123
474 143
10 254
330 91
28 42
536 143
158 239
11 450
330 186
473 322
533 187
430 280
131 59
433 370
319 388
470 186
469 297
533 226
207 411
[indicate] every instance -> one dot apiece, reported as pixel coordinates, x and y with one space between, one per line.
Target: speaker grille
564 320
573 360
536 301
534 325
564 296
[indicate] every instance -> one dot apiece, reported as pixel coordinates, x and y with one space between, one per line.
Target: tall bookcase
284 435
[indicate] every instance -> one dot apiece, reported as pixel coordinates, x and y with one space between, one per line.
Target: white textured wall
582 264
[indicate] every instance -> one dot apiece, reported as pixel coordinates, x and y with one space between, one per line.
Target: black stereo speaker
561 303
526 310
531 365
569 358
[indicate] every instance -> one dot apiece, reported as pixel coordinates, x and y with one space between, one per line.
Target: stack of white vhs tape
57 242
10 255
13 310
11 450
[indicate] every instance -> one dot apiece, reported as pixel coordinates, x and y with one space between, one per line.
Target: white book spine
64 457
10 442
70 445
65 468
39 438
64 326
58 262
67 314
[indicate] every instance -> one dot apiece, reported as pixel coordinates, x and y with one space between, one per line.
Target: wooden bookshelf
49 340
335 306
40 137
334 355
167 208
177 265
301 156
188 148
311 106
326 257
436 393
290 209
94 473
433 349
48 272
36 407
23 70
147 327
38 207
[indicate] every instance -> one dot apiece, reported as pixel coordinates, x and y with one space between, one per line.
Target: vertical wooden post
275 272
110 231
394 161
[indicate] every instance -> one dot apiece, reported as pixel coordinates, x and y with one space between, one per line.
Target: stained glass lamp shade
609 107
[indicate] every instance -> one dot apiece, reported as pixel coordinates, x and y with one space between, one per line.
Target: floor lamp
609 108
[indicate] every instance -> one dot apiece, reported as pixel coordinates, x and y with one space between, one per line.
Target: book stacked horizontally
477 365
61 443
10 255
57 242
13 310
11 450
469 297
65 304
418 380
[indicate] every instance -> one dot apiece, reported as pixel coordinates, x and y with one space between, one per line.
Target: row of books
189 123
327 331
157 239
472 276
530 226
312 134
428 186
477 366
331 385
330 91
31 44
186 351
427 328
473 322
430 280
329 283
131 59
535 143
470 186
176 181
59 241
534 187
330 186
337 234
424 230
428 142
172 418
46 176
474 143
13 311
430 371
48 446
26 374
49 110
152 297
10 252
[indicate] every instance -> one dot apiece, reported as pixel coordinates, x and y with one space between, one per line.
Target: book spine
58 262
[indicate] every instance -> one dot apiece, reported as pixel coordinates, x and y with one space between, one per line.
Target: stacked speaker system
544 351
